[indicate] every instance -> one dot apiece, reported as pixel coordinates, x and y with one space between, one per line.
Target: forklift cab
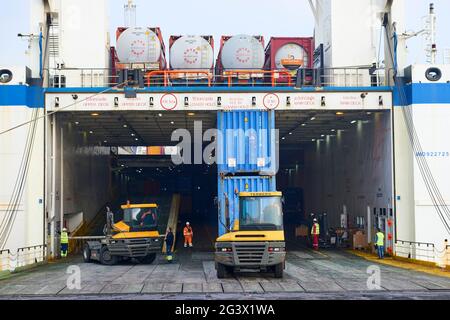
143 217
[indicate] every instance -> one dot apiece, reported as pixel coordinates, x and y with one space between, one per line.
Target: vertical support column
52 195
369 225
61 172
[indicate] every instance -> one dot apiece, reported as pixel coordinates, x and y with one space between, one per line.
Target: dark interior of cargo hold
335 166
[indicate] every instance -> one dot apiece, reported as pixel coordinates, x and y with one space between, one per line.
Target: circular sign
271 101
169 101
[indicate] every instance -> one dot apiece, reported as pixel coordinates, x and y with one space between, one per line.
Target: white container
138 45
242 52
191 52
290 51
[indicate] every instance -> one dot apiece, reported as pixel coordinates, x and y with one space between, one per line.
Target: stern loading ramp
332 161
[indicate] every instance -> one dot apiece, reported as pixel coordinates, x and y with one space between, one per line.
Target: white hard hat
315 220
64 229
187 222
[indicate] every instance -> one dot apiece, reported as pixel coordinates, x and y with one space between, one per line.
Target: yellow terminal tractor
257 238
136 236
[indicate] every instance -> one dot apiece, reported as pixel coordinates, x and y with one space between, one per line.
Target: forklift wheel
221 271
86 253
106 257
278 270
148 259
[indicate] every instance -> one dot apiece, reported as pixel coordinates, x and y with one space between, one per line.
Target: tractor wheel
86 253
278 270
106 257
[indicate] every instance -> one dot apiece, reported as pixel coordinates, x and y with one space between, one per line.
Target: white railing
22 257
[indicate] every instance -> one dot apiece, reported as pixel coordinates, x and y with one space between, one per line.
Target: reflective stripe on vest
317 229
64 237
380 239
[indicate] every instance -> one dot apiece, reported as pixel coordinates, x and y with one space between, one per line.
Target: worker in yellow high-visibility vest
64 243
380 243
315 232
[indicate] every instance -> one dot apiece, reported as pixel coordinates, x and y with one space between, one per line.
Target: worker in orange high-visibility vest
188 234
315 232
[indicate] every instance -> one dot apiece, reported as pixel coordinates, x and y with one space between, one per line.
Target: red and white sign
169 101
271 101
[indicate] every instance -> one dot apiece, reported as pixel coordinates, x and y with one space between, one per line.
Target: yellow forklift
136 236
256 240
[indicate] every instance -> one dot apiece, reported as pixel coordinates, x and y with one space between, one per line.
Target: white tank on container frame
138 45
191 52
242 52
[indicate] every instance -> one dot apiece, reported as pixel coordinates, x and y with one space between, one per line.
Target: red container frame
276 43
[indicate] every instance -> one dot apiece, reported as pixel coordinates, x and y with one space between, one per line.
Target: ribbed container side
247 142
228 195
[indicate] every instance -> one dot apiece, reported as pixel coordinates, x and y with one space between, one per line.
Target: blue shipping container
228 195
247 142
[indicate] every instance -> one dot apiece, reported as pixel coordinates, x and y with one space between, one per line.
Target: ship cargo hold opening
336 165
104 159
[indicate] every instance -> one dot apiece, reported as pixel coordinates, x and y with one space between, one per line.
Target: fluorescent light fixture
339 113
313 118
353 122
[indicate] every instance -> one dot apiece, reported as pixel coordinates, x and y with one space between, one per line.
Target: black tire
87 253
106 258
278 270
221 271
148 259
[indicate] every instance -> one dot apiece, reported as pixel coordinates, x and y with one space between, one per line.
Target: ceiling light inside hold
353 122
313 118
191 114
303 124
77 123
339 113
160 114
95 114
171 122
91 132
125 126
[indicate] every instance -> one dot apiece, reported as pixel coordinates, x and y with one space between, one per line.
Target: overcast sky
224 17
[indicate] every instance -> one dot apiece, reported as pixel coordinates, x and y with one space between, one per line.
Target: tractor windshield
141 218
260 213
